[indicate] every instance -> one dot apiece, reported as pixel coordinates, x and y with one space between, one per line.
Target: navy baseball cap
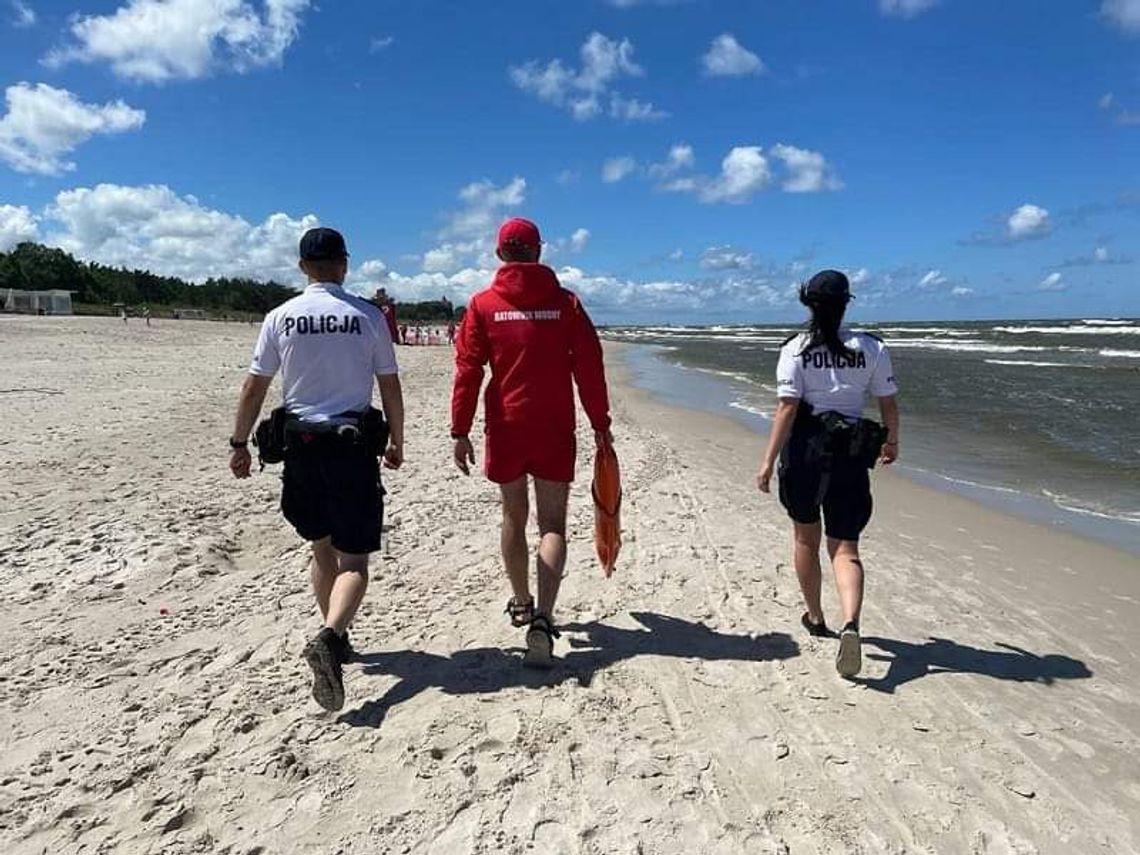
826 285
323 245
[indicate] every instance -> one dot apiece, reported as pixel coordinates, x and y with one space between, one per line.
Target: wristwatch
235 444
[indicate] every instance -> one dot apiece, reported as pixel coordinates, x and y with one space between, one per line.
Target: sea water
1041 417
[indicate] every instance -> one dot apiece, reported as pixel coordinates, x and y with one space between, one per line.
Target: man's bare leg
323 570
848 577
806 555
347 591
512 538
550 499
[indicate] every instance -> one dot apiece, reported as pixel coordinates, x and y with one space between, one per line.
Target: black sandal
540 643
818 630
521 613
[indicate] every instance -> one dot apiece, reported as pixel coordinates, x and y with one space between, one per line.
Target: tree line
97 287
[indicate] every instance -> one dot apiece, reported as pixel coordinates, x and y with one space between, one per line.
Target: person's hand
603 437
393 456
464 455
764 477
240 462
889 454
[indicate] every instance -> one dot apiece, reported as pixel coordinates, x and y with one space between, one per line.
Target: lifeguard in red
539 342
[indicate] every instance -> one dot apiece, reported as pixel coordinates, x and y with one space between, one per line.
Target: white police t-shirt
834 383
328 345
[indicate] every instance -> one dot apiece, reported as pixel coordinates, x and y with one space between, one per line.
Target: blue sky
687 161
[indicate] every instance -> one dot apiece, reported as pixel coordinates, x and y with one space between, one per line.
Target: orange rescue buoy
607 507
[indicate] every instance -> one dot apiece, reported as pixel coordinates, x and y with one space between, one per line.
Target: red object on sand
607 507
164 611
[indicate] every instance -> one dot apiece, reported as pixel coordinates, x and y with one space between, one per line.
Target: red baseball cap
519 232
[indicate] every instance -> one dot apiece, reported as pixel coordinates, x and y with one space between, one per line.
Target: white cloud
585 91
1124 14
728 58
632 110
743 173
1106 101
676 255
961 291
579 239
808 171
1028 221
858 277
617 168
442 259
484 206
23 15
567 177
725 258
158 40
1052 282
1101 253
680 158
380 43
16 226
44 124
906 8
932 279
468 235
151 227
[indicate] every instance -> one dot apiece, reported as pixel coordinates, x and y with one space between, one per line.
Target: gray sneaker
849 659
323 656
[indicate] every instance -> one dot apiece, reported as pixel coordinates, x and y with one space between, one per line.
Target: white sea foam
1029 362
1124 354
927 331
1075 329
749 408
1069 504
731 375
974 346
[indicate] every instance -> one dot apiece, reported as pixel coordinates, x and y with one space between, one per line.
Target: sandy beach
153 609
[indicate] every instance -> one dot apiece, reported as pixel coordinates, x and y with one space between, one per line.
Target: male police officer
328 345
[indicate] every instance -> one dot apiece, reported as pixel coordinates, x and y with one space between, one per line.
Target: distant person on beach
825 449
539 342
146 314
388 307
123 315
328 346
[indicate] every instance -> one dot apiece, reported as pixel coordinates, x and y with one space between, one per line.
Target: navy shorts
844 497
332 490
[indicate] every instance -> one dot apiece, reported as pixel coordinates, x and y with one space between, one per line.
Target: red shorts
512 452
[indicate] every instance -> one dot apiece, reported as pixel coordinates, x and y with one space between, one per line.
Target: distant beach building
36 302
191 315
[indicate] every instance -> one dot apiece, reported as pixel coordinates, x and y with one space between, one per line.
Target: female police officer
825 449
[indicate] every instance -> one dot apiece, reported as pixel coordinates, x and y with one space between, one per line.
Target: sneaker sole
539 650
849 659
327 691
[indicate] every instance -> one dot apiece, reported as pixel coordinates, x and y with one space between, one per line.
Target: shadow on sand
941 656
489 669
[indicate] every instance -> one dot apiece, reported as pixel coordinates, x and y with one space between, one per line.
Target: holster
270 438
831 435
374 430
